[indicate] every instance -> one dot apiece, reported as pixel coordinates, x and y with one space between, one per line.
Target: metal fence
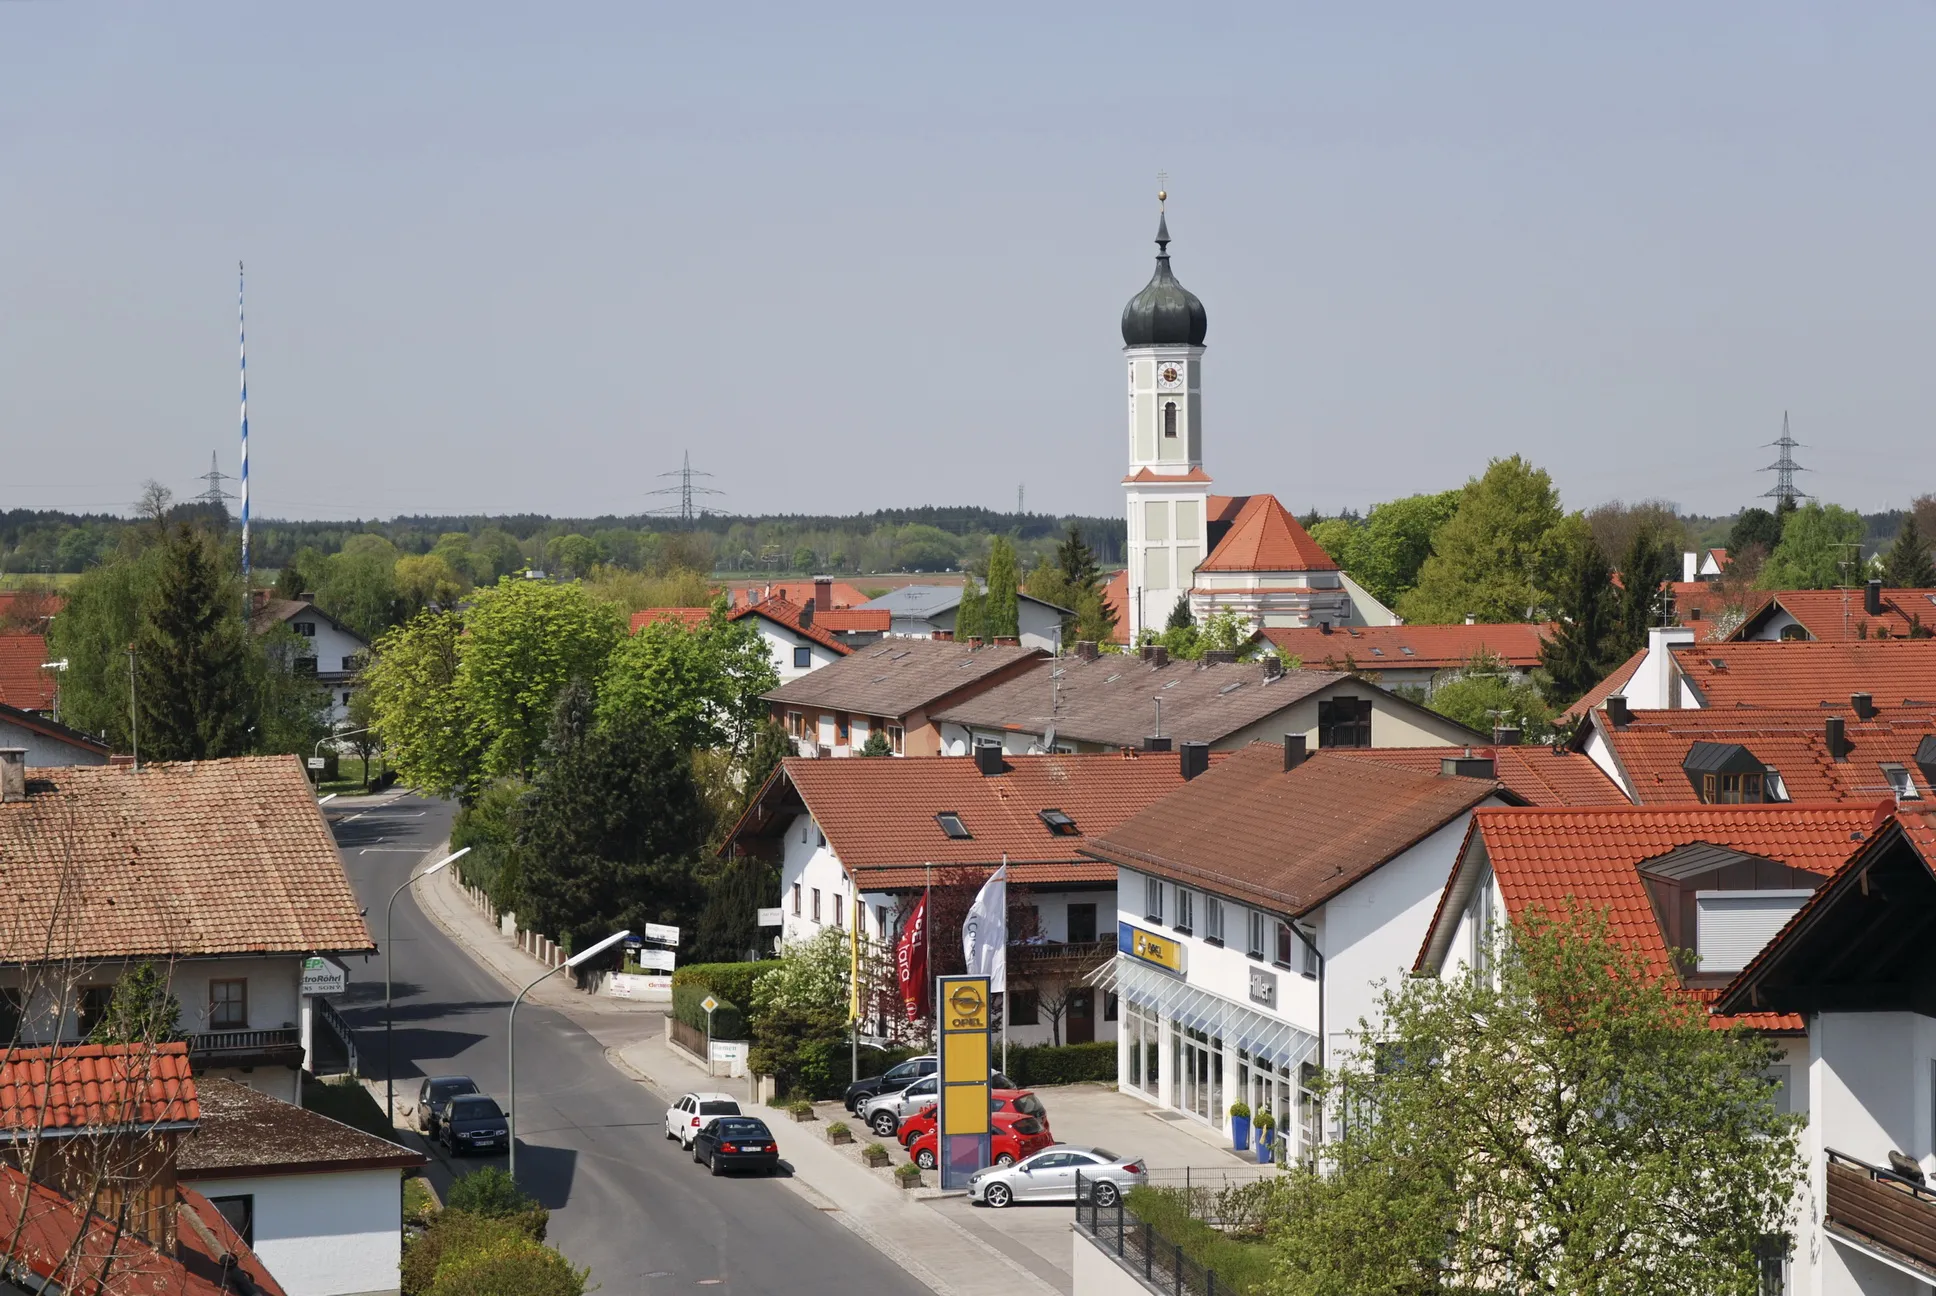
1137 1244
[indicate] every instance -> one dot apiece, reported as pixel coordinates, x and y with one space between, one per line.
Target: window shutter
1732 926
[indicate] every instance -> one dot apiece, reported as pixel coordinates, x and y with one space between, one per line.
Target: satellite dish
1048 739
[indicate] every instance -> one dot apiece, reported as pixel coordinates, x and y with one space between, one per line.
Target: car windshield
1027 1125
1031 1105
445 1088
741 1129
474 1108
903 1071
719 1109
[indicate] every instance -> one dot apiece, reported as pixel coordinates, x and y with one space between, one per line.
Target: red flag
911 961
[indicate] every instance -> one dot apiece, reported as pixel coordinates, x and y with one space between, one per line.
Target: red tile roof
1837 615
879 814
1541 858
1652 750
1773 675
1288 840
1697 604
782 613
1410 647
1266 538
1225 508
854 620
23 683
689 617
1147 475
96 1087
1115 597
175 860
1615 682
25 609
797 593
1537 775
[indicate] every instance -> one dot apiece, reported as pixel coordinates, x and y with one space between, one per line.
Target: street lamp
511 1031
389 1058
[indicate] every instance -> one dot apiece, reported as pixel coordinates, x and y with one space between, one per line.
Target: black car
435 1092
736 1143
475 1123
899 1076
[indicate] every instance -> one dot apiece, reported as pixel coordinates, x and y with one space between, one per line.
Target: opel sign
966 1008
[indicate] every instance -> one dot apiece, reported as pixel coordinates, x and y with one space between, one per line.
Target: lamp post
389 1058
511 1032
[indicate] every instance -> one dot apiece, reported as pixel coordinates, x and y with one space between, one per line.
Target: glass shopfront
1199 1074
1140 1028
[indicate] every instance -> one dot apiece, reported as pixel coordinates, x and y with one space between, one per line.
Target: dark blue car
474 1123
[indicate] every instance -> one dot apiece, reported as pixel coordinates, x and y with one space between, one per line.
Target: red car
1008 1144
1005 1107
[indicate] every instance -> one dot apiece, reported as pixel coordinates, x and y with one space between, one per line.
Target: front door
1082 1016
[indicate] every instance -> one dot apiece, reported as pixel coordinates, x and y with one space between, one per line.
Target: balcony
244 1048
1069 955
1882 1213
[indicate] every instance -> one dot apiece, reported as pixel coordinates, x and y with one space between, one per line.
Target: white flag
984 935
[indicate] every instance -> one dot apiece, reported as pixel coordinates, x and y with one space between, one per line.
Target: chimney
806 615
13 774
1220 657
1505 735
988 757
257 598
1690 567
1194 758
1864 704
1835 733
1872 598
1086 650
1324 627
1007 641
1470 619
1617 710
1146 650
1467 766
1693 614
823 592
1156 743
306 597
1273 666
974 641
1159 655
944 636
1293 751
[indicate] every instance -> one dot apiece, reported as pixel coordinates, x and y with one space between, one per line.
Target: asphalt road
591 1141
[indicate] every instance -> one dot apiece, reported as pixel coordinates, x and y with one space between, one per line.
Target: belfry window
1169 418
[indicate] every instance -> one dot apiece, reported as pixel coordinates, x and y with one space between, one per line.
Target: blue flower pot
1264 1139
1240 1133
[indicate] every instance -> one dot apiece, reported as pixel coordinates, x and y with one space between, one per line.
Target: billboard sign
963 1007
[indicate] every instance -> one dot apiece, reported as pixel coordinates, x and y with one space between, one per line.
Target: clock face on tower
1169 376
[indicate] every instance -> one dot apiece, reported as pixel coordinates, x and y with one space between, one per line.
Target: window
1286 944
1213 919
1153 899
307 629
839 914
1082 923
1058 823
880 922
1307 961
1169 418
228 1005
796 899
93 1007
1900 783
1731 789
304 666
897 739
1023 1006
1771 1253
12 1009
843 730
1186 909
1110 1008
796 725
1310 1119
350 664
816 904
802 657
1256 944
1344 722
240 1214
951 824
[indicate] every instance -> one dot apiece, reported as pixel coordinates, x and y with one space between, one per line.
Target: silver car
1051 1175
884 1112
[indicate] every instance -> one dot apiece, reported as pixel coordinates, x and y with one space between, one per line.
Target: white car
694 1112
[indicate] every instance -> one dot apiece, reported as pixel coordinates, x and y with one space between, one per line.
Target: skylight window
1230 688
1377 652
1407 651
951 824
1900 783
1059 823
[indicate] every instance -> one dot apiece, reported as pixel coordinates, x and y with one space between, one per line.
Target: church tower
1167 490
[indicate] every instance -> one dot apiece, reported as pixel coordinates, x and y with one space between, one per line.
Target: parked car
694 1112
898 1076
1050 1175
736 1143
474 1123
884 1112
1005 1108
1006 1145
434 1093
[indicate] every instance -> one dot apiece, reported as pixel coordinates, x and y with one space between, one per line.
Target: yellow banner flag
853 962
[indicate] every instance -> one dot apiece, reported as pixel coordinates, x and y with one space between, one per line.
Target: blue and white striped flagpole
242 341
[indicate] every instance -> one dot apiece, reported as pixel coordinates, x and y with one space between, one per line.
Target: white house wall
808 862
780 644
324 1234
44 752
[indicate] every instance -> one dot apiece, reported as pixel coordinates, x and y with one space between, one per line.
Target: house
794 637
892 687
690 618
1870 612
219 873
924 611
858 841
89 1181
318 1202
1716 881
1539 775
1409 656
1096 701
29 609
332 652
1673 672
828 594
1258 907
1703 565
1852 965
27 682
48 743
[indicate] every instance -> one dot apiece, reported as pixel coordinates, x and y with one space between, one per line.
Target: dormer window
1721 905
951 824
1059 823
1726 774
1900 783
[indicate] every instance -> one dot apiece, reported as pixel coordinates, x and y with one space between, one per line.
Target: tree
1821 548
970 614
1565 1121
1645 569
1077 561
362 737
102 617
526 640
1907 565
612 829
420 711
1338 538
1496 558
877 744
702 685
1483 694
191 656
1616 524
1181 617
142 1010
291 708
424 581
571 553
1578 654
729 921
1753 527
1002 612
804 560
358 585
1093 620
1394 542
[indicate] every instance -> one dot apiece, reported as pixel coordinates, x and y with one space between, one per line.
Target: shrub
800 1109
837 1129
419 1203
797 1048
492 1193
1243 1267
1240 1110
345 1099
908 1172
728 1022
732 982
874 1150
512 1265
1052 1064
451 1233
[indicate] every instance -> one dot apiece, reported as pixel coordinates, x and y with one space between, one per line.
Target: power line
214 495
1785 469
685 490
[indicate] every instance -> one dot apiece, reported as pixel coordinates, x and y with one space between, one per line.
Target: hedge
1053 1064
729 981
688 1006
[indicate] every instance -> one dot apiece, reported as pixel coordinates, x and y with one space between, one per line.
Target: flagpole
242 347
927 939
1004 958
853 981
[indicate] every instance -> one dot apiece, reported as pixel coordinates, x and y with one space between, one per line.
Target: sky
522 258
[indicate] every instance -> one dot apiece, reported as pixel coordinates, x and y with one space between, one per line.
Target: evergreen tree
140 1011
1577 655
1180 618
1907 565
1754 527
1645 569
1001 615
970 616
1077 561
729 921
192 656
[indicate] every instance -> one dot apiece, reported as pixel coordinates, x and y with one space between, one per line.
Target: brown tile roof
96 1087
1652 750
879 814
689 617
1264 537
783 613
1112 700
1615 681
23 683
1537 774
196 858
1288 840
275 611
1410 647
894 677
246 1133
1837 615
1780 676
